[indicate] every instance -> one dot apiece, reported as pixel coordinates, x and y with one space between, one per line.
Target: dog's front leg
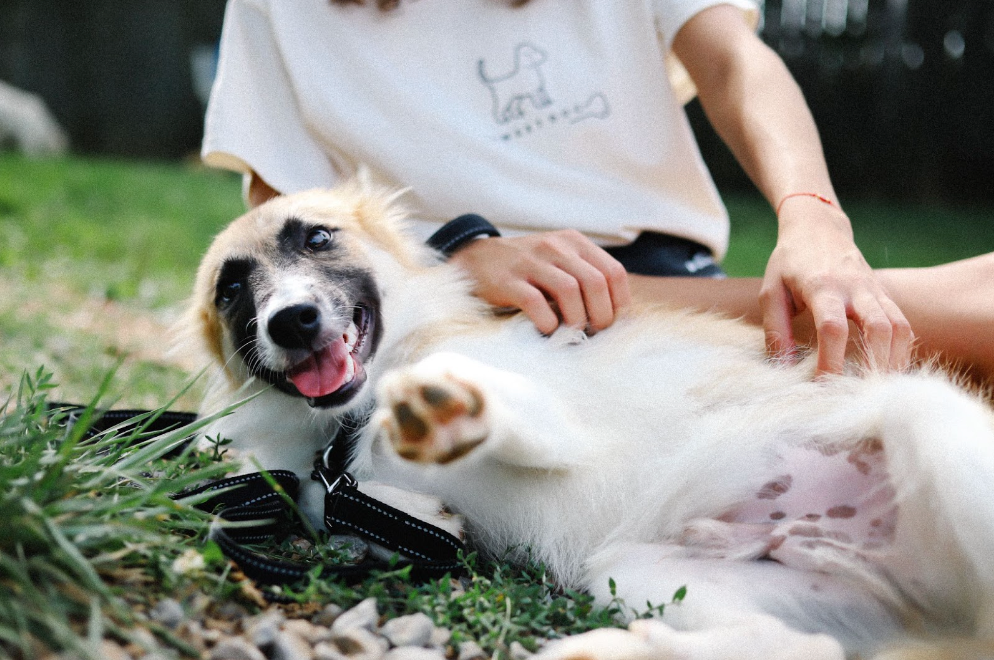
448 406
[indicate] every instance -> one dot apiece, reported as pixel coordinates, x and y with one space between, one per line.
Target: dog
808 517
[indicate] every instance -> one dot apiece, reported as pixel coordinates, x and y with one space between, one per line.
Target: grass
96 257
86 527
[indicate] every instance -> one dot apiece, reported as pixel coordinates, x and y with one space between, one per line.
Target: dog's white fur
600 454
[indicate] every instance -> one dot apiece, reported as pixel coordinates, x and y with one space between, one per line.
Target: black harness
258 502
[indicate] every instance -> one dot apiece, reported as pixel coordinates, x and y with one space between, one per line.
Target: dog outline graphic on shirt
524 82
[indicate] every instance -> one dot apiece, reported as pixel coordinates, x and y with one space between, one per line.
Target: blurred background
902 90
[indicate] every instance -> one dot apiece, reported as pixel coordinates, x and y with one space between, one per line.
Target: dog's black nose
295 326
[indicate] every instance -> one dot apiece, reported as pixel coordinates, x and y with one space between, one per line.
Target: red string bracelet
820 198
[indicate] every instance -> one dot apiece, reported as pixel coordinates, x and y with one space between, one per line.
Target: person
563 124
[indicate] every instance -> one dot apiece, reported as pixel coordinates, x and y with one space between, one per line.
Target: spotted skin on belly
821 503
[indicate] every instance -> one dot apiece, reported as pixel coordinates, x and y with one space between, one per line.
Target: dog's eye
228 291
318 239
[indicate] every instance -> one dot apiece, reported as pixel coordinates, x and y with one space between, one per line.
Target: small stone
355 644
111 651
289 646
326 651
351 548
327 616
307 631
211 635
227 626
262 630
439 638
143 644
519 652
411 630
193 634
231 611
168 612
414 653
236 648
363 615
359 643
198 603
470 650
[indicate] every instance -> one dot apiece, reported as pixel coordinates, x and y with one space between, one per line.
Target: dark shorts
662 255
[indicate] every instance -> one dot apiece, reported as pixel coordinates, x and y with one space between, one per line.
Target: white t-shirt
557 114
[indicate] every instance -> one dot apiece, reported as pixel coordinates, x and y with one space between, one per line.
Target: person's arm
951 307
759 111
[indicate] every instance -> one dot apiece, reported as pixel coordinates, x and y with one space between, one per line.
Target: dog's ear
364 178
368 186
378 212
197 334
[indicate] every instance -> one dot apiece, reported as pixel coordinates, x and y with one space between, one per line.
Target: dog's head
290 293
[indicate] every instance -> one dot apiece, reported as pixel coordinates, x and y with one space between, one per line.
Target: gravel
229 633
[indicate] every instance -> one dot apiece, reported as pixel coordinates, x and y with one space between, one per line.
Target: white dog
807 518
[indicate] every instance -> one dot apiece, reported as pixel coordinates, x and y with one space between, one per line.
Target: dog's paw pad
433 418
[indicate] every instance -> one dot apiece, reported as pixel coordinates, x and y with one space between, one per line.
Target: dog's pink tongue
323 372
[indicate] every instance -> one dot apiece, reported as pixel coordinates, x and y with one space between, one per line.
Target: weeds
94 538
82 518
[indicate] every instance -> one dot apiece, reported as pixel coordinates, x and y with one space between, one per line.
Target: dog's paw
432 416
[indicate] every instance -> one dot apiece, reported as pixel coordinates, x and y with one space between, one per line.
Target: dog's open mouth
334 374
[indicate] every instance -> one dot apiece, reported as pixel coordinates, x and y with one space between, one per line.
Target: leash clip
323 475
331 478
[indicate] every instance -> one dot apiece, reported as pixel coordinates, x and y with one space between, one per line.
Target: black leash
260 505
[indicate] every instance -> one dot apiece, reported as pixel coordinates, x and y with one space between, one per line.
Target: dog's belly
822 508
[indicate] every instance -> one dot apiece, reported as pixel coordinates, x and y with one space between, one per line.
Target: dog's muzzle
332 373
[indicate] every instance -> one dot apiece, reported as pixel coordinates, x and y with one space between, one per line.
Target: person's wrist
460 232
824 199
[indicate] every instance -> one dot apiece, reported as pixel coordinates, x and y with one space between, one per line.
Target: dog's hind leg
739 609
447 406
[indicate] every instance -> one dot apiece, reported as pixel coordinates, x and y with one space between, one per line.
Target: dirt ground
81 338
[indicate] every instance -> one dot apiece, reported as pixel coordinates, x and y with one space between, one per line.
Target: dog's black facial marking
233 282
312 250
234 297
297 238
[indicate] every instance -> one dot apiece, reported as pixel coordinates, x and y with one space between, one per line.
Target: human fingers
777 308
902 342
875 329
831 324
562 287
534 304
885 331
600 280
598 301
614 274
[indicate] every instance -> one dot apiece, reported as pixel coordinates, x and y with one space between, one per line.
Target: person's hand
816 266
551 277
